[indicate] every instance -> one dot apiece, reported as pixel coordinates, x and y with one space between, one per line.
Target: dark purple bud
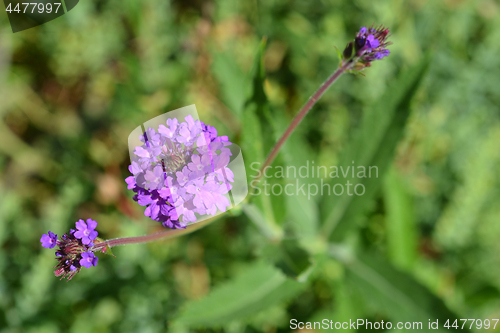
359 43
348 50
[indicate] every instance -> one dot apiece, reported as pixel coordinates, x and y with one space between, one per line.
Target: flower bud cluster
74 248
370 44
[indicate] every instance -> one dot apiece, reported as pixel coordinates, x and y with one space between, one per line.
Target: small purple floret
86 231
88 259
372 42
49 241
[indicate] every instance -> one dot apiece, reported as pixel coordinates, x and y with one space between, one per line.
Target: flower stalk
369 45
303 112
165 234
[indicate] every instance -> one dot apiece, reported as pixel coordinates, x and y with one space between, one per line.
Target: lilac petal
84 262
164 193
135 168
144 200
86 240
168 224
81 225
87 259
372 41
222 202
93 235
49 241
79 234
190 121
91 224
150 176
212 210
173 123
130 182
162 129
165 209
141 152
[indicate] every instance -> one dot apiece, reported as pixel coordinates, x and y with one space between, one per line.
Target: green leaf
257 138
372 148
269 230
233 82
394 293
251 137
400 222
257 103
291 258
258 288
303 214
107 249
355 72
339 54
301 207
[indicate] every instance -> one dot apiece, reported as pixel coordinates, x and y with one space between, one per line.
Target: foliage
420 244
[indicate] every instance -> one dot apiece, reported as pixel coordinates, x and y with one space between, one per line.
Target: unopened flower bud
348 50
370 44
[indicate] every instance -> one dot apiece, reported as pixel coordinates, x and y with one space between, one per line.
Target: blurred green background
73 89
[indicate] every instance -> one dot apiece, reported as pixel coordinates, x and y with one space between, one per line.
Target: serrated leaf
372 147
258 288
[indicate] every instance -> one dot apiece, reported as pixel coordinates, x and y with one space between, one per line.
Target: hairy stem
152 237
303 112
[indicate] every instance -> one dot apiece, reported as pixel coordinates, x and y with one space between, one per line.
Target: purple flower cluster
180 172
74 248
370 44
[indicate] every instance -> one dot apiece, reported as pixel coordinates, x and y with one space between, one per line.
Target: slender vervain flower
180 172
75 248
